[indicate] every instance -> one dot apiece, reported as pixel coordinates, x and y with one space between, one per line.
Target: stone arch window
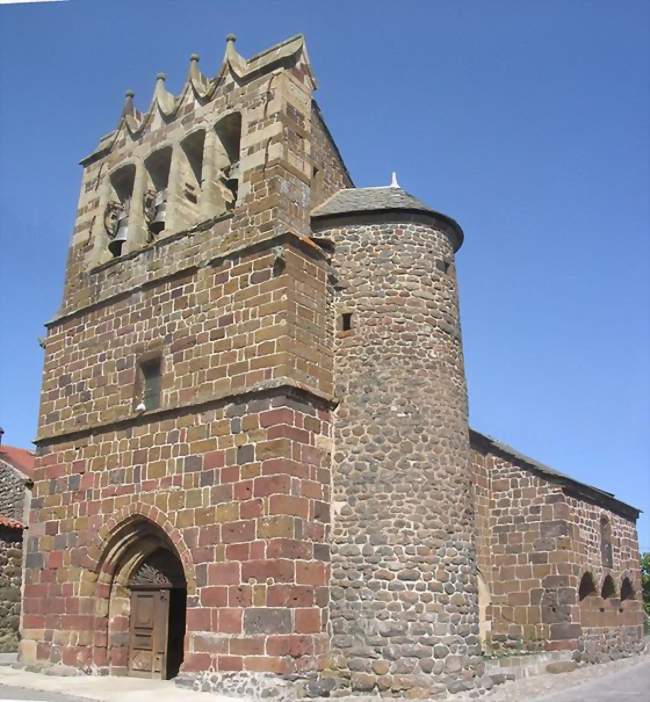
155 197
606 543
609 589
587 587
627 590
228 131
190 175
118 208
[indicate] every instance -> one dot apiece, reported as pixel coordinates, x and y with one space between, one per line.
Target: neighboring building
253 446
16 467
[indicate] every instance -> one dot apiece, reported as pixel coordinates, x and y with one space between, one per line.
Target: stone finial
231 53
195 58
129 108
393 181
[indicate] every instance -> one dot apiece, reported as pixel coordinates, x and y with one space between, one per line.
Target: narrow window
116 215
587 587
627 591
155 197
228 132
606 543
150 371
346 321
608 589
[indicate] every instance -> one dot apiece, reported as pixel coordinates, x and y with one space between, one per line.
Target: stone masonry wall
12 492
10 579
542 539
610 627
403 612
242 489
235 465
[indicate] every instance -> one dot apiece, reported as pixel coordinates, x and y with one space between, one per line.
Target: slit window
150 371
608 590
627 591
606 543
587 587
346 321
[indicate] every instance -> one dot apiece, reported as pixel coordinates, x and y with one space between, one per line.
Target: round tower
404 611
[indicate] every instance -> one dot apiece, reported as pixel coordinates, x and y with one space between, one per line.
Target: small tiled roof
553 475
10 523
390 198
19 458
369 200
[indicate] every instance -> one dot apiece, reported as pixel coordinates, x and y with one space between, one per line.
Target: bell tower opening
116 218
155 197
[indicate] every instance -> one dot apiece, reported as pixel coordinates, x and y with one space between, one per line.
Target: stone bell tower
180 514
404 608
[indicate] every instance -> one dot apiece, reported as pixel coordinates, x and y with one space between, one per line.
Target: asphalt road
631 685
8 693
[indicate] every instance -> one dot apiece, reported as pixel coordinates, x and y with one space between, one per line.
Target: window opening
228 132
151 382
155 197
627 591
116 215
606 543
587 587
608 590
346 321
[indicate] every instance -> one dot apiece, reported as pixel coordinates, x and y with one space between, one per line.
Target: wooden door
148 633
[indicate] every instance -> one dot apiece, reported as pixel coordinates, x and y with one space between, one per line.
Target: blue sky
526 121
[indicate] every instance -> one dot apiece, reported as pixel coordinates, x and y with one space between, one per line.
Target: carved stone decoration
149 205
112 215
149 575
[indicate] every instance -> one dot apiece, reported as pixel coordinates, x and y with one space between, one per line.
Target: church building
254 465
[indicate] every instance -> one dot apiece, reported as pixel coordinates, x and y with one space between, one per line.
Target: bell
233 171
160 204
117 242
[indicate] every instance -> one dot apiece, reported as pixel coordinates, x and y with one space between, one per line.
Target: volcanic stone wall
536 539
404 611
12 492
11 542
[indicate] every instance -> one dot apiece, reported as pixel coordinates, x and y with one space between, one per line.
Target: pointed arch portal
147 600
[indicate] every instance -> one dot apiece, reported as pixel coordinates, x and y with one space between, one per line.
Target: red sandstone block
290 596
258 550
289 548
214 459
238 532
196 662
214 596
251 509
276 416
270 485
308 620
280 570
196 619
229 620
225 663
283 431
311 573
209 535
230 474
237 552
241 596
292 645
275 466
247 647
244 490
223 574
267 664
286 504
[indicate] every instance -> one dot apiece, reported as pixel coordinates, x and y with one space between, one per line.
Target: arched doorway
141 596
158 596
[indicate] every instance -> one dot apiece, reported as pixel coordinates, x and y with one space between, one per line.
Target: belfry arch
141 597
